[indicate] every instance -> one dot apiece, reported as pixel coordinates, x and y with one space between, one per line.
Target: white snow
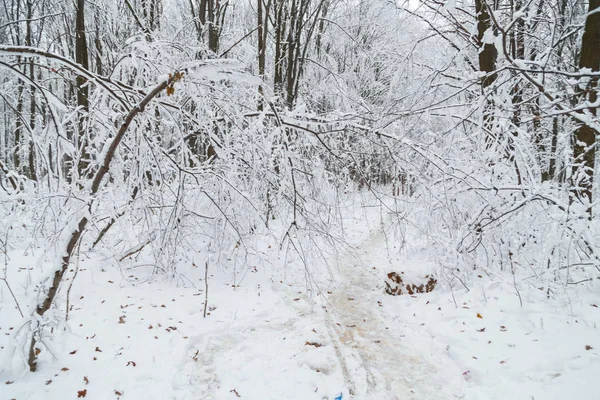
271 336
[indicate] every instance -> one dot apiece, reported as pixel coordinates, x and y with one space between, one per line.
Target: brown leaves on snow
315 344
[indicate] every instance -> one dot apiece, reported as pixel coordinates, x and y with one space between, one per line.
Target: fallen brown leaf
313 344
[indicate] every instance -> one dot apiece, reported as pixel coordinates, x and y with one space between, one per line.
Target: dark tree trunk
151 10
263 28
488 53
487 64
279 46
81 57
584 151
98 45
211 16
18 130
32 105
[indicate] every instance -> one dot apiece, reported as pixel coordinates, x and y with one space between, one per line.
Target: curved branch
81 226
101 81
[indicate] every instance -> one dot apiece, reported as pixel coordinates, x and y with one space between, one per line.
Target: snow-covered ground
271 335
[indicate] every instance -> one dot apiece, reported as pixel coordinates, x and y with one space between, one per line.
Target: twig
113 220
223 54
206 286
6 274
461 281
578 282
13 296
453 298
512 268
135 250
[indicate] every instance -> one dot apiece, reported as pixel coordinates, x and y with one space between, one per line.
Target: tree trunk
584 151
211 15
32 105
81 58
488 53
98 45
18 129
487 62
263 27
279 46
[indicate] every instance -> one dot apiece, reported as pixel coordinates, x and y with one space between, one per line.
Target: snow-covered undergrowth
125 327
506 337
275 329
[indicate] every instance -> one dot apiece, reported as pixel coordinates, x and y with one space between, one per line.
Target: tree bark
584 149
487 63
81 58
488 53
32 104
263 27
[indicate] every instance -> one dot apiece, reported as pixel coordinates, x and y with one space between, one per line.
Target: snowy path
360 351
289 347
271 338
377 360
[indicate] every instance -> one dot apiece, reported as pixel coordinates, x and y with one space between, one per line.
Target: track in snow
378 363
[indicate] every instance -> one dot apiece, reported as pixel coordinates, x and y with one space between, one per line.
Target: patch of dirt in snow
379 362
